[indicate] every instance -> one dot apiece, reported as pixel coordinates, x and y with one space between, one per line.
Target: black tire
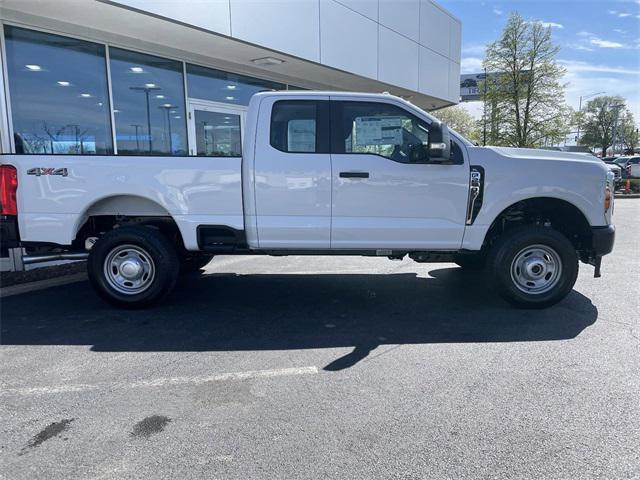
140 246
510 253
194 263
471 262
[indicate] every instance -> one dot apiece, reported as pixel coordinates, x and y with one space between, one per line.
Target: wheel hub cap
536 269
129 269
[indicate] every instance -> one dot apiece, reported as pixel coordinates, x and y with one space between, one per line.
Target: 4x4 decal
39 171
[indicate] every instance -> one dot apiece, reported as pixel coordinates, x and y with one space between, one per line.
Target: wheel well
551 212
126 205
98 225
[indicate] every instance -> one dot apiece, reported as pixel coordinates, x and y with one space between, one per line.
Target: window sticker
301 135
379 130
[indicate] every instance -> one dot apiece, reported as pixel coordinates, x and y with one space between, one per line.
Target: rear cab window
300 126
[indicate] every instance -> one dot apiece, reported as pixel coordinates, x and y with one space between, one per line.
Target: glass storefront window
148 101
217 134
59 96
215 85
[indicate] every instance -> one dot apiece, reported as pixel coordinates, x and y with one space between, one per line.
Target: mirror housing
439 143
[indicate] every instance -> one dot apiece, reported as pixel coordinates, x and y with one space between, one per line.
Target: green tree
460 120
628 131
524 98
598 119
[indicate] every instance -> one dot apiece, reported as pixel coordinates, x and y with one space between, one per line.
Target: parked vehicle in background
616 169
583 150
634 170
321 173
624 163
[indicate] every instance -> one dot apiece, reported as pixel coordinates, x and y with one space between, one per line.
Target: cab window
300 126
379 129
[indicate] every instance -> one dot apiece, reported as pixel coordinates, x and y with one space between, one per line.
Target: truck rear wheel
533 267
133 267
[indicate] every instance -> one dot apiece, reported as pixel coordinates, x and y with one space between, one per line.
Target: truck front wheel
133 267
533 267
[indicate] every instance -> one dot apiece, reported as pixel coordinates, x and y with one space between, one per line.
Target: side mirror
439 143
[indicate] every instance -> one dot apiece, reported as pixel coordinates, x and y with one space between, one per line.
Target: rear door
293 174
385 194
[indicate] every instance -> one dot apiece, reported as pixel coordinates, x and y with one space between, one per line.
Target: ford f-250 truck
322 173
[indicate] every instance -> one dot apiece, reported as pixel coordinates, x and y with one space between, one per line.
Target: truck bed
62 190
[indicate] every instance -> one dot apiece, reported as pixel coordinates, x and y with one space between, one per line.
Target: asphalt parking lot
316 367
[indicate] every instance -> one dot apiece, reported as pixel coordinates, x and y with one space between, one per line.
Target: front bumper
602 239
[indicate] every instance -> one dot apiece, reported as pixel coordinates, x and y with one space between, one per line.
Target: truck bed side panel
193 190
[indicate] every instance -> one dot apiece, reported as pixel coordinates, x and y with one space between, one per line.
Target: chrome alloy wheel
536 269
129 269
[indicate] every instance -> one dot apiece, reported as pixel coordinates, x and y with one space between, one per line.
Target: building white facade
199 61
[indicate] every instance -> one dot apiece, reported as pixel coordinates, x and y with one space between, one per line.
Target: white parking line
160 382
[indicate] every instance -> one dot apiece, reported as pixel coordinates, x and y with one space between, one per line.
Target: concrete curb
41 284
46 272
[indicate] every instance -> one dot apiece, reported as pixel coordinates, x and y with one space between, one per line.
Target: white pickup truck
322 173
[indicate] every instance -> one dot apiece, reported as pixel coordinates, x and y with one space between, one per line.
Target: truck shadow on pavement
224 312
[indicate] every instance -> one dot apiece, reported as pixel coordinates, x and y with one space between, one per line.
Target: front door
215 130
385 194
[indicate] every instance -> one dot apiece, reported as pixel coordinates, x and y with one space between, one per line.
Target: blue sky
599 40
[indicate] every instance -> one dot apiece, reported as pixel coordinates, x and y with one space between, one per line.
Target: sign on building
470 86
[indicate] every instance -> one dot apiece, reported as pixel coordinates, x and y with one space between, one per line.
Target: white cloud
598 42
497 11
548 24
471 65
579 46
622 14
475 109
474 49
576 66
587 41
584 78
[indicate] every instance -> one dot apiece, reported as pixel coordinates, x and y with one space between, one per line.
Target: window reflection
58 90
148 98
218 86
218 134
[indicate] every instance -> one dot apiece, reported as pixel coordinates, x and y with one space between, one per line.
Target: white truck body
316 202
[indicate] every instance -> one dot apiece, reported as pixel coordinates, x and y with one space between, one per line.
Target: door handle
354 174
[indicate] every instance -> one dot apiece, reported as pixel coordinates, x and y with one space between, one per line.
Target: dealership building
172 77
